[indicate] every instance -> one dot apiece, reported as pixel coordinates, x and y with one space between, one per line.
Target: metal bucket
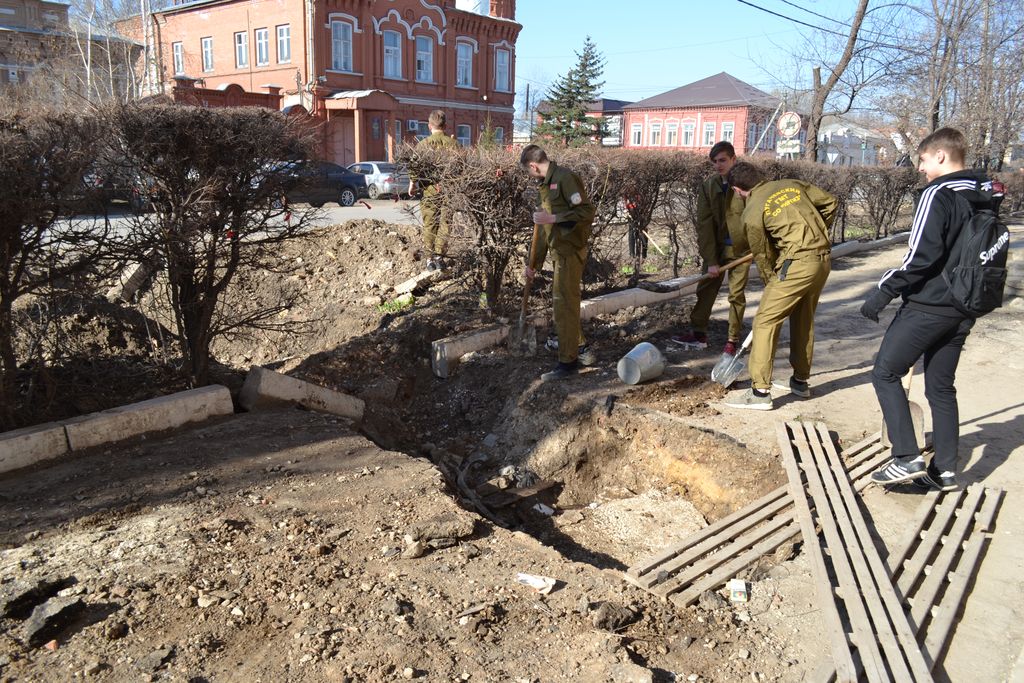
643 363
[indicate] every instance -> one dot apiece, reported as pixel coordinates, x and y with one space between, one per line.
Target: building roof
720 90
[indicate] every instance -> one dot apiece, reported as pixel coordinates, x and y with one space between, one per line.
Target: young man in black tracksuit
927 324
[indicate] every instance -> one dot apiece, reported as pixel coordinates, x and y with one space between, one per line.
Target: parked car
382 178
319 182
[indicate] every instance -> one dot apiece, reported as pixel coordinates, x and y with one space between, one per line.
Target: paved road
382 209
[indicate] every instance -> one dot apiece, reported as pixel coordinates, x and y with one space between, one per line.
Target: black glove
874 304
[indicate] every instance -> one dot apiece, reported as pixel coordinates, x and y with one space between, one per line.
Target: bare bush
43 160
216 180
882 192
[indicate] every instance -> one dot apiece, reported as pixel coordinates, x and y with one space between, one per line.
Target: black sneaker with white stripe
933 479
900 470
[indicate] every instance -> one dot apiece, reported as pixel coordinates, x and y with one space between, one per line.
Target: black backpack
976 270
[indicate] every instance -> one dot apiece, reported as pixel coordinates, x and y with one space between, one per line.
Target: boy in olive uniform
720 239
787 224
565 218
435 224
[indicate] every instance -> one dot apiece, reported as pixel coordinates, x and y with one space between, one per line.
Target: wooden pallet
709 558
863 614
933 566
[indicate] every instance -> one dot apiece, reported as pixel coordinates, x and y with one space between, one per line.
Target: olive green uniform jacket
562 194
787 220
719 220
720 239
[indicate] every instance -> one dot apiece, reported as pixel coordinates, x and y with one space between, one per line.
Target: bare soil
292 546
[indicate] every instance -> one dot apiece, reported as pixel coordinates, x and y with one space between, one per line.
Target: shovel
916 416
729 368
519 340
662 288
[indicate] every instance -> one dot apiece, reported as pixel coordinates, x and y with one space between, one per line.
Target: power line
821 16
795 21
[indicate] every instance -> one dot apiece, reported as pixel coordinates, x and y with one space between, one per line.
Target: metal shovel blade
522 339
731 368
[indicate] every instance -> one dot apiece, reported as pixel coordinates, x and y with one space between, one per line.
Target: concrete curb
445 353
265 387
24 447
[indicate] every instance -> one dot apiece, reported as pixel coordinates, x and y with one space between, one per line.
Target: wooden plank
728 571
727 538
889 609
921 517
951 546
707 532
987 516
714 560
841 655
868 442
839 539
945 614
914 567
934 633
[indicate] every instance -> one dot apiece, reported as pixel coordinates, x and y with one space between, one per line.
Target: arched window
464 64
424 59
392 54
341 46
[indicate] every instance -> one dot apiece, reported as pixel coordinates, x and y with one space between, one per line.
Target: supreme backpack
977 274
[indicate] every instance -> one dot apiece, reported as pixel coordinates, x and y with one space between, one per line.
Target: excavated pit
620 479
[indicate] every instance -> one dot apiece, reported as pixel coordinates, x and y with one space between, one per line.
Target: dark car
319 182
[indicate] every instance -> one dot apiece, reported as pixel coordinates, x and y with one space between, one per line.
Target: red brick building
696 116
370 70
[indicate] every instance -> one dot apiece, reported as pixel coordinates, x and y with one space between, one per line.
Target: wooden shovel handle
529 264
736 262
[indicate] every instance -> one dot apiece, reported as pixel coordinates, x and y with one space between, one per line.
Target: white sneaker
749 400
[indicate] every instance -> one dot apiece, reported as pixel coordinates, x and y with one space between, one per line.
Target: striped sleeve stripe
920 216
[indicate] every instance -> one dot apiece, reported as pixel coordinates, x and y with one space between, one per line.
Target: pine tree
566 117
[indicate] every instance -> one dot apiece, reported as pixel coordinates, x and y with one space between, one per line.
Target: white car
382 178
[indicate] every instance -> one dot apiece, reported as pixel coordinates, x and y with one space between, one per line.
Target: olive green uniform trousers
707 292
565 301
435 226
793 295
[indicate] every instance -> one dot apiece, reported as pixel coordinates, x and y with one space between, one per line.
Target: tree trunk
821 92
8 367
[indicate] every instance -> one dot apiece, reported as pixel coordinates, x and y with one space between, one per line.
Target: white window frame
502 72
424 59
262 36
178 50
464 64
689 133
341 46
708 138
728 131
671 134
241 50
636 134
206 47
464 134
499 135
284 43
654 139
392 54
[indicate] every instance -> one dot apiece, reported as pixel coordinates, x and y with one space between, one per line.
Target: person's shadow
996 439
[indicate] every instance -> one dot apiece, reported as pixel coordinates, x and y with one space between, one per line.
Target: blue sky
652 46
